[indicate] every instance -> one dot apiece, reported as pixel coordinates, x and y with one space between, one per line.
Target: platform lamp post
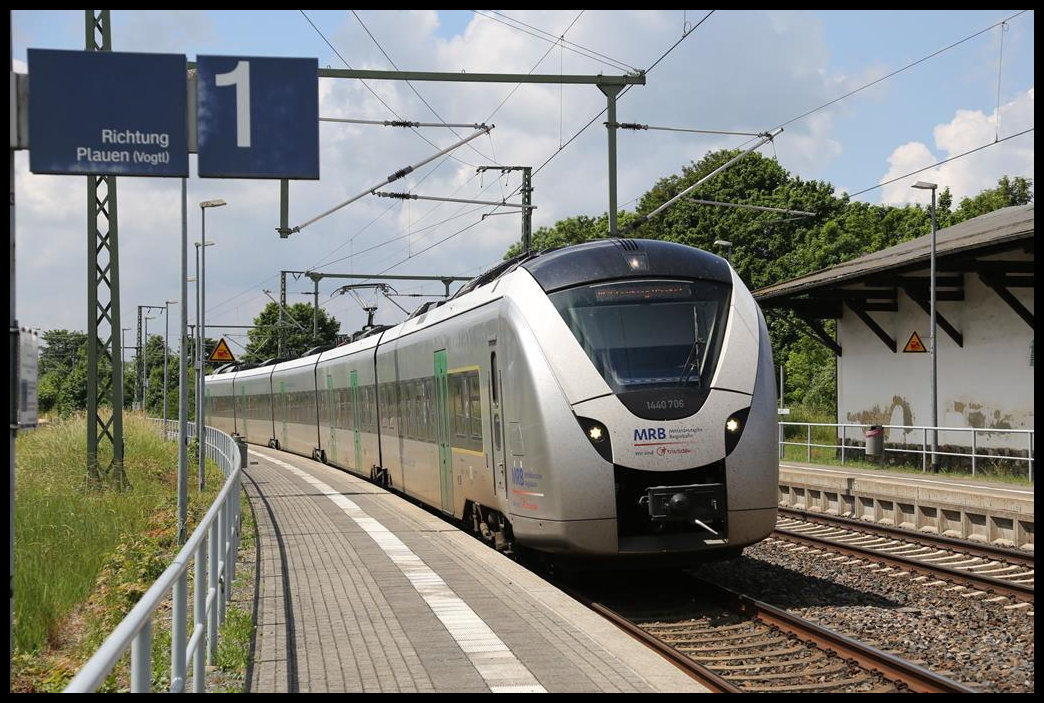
198 361
201 283
923 185
166 346
145 368
728 248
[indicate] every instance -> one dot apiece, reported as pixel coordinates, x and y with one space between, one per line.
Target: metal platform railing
971 446
211 549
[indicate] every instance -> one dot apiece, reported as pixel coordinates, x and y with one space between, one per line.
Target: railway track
991 570
733 643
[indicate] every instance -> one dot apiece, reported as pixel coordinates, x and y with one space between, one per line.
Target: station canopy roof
991 246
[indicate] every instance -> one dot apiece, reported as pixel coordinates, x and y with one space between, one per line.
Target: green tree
1009 191
62 381
59 350
263 339
573 230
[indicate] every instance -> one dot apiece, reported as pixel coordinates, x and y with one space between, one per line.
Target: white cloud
969 175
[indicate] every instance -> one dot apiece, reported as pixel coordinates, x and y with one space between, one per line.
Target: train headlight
734 427
598 435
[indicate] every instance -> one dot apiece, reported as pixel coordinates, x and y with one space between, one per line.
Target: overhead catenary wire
365 84
940 163
404 123
561 147
412 196
564 145
408 83
1000 69
636 126
744 206
393 177
557 40
900 70
766 137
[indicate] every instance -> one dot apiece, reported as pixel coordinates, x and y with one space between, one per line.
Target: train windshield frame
648 334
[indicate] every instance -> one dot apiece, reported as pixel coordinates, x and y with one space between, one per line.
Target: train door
442 415
357 439
496 427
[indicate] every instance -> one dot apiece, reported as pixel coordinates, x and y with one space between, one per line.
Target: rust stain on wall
991 419
879 416
974 414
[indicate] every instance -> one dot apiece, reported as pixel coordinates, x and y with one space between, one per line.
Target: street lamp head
172 302
722 243
925 185
204 244
218 202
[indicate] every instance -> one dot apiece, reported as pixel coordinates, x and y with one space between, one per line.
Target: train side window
428 395
459 401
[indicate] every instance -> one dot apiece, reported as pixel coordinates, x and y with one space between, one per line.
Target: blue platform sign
257 117
107 113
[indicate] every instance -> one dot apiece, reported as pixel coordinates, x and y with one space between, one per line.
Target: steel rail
698 671
986 551
1018 591
918 679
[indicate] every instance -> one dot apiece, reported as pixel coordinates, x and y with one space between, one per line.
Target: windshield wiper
692 359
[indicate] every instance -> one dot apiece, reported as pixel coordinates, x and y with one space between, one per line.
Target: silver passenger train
613 399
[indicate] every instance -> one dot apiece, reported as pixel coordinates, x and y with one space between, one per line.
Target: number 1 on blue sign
240 78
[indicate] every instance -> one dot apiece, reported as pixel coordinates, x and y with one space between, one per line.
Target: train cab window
648 334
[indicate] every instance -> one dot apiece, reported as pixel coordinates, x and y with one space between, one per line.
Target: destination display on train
107 113
630 292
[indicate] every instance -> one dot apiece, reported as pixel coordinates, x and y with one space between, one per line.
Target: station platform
361 591
975 508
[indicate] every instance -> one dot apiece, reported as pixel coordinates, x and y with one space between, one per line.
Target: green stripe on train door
331 415
355 419
282 395
442 413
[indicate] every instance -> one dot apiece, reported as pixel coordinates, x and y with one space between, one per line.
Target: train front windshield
648 334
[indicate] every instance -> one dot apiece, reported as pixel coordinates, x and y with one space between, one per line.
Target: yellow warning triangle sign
221 352
914 345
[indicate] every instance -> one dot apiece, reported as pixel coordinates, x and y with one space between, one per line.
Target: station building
984 313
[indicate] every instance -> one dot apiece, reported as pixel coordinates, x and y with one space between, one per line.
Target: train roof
605 259
361 344
297 363
249 373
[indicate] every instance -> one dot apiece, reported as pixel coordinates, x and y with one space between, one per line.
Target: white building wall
986 384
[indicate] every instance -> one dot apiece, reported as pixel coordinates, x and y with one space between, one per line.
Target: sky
869 101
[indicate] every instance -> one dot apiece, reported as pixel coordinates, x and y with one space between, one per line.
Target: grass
85 555
236 640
